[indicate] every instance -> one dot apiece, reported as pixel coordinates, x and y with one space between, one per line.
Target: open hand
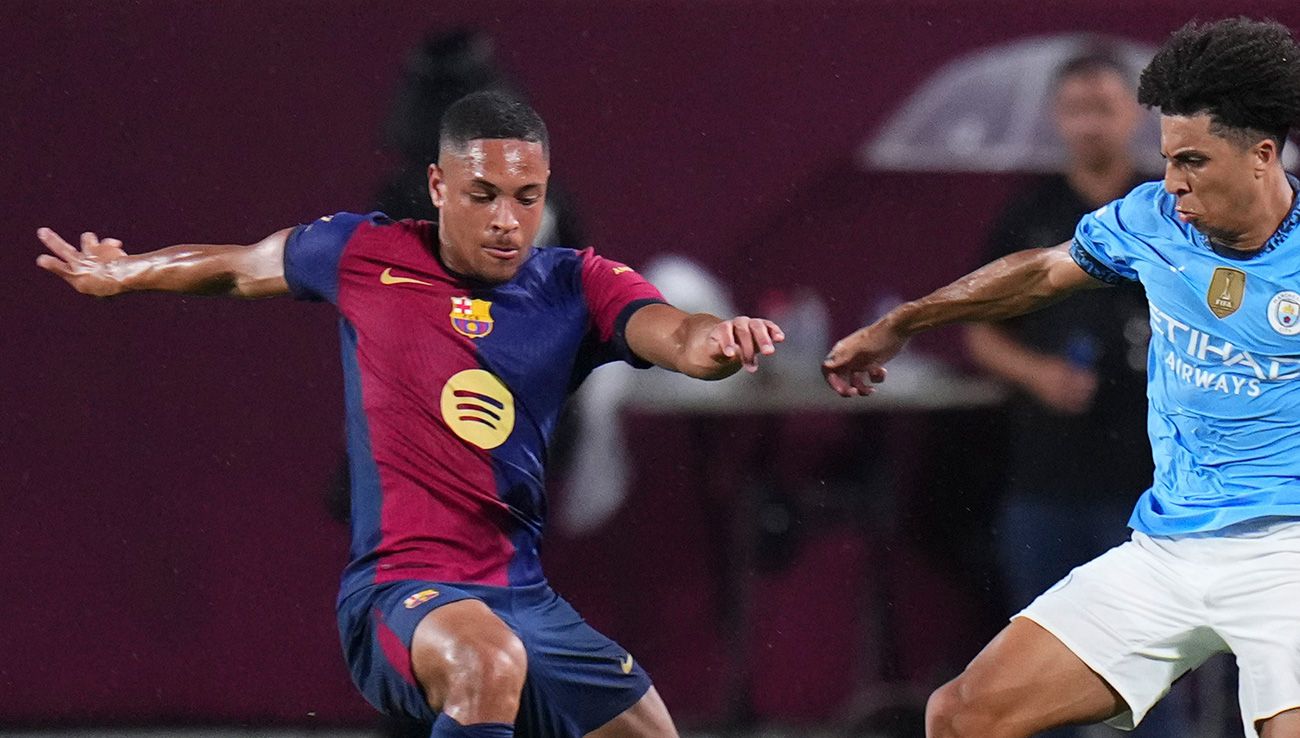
744 338
90 270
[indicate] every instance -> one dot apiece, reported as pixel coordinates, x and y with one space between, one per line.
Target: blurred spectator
1079 367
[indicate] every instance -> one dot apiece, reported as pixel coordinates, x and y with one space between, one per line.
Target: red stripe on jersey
609 287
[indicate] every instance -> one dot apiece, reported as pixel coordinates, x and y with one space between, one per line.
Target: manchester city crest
1284 313
471 317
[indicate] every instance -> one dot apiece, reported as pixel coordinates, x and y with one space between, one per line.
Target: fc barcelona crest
1226 288
471 317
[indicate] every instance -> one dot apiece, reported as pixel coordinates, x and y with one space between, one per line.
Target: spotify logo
478 407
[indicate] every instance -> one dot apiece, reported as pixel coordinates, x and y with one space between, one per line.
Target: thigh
1026 681
377 626
648 718
470 664
1283 725
1134 618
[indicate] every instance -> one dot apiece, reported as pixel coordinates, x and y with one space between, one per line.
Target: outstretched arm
103 269
1060 384
1015 284
700 345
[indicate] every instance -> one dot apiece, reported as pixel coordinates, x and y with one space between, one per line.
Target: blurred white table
914 384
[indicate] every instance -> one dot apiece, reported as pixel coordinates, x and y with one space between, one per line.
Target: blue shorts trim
578 679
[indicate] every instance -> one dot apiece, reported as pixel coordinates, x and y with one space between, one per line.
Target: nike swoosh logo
626 664
386 277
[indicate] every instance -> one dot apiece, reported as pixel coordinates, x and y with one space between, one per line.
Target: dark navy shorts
578 679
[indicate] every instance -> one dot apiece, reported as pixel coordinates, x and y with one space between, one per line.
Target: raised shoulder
313 250
1146 212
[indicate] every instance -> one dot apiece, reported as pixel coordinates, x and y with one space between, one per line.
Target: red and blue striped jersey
453 388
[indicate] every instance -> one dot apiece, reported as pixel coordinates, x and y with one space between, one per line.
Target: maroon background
164 551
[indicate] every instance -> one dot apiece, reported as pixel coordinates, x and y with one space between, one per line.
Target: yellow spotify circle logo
478 407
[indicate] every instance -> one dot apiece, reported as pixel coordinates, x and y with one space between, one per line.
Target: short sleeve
1109 239
311 255
613 292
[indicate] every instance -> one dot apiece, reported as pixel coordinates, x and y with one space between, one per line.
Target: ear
1265 154
437 186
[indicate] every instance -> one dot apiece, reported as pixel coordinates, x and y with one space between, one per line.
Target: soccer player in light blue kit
1214 561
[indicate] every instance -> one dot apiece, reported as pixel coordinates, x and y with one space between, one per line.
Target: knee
471 674
488 668
956 711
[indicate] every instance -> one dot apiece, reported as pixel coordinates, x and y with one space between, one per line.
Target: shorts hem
640 694
1269 714
1126 720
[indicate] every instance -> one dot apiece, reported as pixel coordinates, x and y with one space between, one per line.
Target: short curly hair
1244 73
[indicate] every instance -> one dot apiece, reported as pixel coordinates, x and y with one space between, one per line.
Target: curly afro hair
1244 73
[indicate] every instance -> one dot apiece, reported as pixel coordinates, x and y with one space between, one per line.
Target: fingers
848 384
62 249
837 357
105 249
53 264
743 329
860 383
753 337
766 335
725 334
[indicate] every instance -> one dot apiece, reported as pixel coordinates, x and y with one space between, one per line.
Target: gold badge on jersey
1226 289
470 317
478 407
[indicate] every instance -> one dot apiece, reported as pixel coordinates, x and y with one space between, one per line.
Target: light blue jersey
1224 364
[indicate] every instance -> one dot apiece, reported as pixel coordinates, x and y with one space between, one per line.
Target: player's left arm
700 345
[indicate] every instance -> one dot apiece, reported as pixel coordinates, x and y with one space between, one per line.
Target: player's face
1216 180
490 199
1096 115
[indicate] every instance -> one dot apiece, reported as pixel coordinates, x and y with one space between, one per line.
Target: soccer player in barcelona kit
460 345
1214 560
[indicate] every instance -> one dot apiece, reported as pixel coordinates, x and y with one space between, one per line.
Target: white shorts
1151 609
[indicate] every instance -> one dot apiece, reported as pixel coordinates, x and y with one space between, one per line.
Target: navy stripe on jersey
1094 266
366 490
619 341
311 255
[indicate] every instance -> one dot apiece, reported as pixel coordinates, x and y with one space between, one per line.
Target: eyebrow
494 188
1186 154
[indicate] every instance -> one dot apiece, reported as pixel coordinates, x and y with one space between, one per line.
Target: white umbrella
990 111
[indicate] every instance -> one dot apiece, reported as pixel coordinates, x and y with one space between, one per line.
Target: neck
1268 213
1099 182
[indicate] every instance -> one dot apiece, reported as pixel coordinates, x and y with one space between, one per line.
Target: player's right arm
103 269
1013 285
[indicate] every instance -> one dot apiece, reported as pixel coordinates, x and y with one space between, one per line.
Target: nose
504 219
1175 182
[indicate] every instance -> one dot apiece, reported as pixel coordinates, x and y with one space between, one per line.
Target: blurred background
169 542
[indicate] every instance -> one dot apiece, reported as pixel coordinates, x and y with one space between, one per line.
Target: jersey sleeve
1109 240
614 292
311 255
